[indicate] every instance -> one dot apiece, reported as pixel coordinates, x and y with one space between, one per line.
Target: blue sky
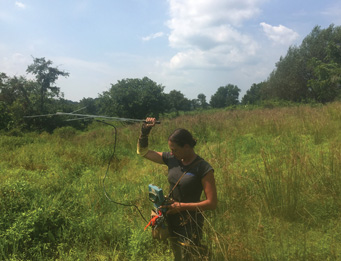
194 46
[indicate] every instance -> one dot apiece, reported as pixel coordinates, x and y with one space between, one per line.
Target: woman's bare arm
154 156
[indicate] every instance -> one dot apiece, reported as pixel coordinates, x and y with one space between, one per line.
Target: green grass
277 173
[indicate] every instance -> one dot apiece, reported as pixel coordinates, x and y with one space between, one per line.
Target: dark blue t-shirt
190 187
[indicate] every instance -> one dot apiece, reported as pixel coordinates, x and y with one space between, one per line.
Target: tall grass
277 173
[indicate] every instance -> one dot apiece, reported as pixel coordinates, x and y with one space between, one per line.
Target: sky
192 46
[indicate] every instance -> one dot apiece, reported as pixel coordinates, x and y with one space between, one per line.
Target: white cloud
222 56
20 5
279 34
206 32
203 12
152 36
14 64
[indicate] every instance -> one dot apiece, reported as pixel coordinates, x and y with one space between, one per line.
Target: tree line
128 98
310 72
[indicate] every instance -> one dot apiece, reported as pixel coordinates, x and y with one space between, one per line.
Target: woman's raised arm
142 145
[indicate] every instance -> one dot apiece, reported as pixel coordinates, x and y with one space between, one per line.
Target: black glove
145 130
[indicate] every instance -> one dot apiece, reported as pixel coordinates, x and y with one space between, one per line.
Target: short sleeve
205 167
165 157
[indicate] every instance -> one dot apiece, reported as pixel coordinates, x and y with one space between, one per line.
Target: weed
277 172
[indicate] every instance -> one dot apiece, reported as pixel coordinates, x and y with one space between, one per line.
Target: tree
17 96
133 98
5 117
90 105
7 94
310 71
46 76
225 96
254 94
202 101
325 81
176 101
289 79
325 85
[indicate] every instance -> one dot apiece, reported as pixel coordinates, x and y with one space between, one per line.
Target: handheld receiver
156 196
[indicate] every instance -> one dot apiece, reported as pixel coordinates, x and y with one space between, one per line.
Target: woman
188 176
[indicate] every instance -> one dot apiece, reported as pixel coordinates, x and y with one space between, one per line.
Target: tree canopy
133 98
46 76
225 96
254 94
309 72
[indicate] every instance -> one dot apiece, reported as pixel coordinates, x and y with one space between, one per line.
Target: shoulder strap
183 174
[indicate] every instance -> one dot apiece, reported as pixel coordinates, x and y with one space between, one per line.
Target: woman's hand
150 122
145 130
174 207
147 126
210 203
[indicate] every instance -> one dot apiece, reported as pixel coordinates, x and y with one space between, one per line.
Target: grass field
278 175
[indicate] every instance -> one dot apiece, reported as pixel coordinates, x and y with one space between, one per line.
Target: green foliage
225 96
310 72
176 101
277 174
16 100
133 98
255 94
27 227
46 76
326 84
139 245
89 105
20 97
202 101
67 132
5 117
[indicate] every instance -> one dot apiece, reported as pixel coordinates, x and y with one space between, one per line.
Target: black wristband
143 141
145 130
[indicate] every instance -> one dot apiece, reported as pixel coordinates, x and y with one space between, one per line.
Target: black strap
183 174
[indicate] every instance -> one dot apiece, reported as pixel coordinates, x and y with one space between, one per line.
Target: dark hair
182 137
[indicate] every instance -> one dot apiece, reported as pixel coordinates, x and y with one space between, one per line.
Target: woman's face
177 151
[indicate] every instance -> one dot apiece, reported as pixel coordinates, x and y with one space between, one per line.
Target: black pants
186 232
